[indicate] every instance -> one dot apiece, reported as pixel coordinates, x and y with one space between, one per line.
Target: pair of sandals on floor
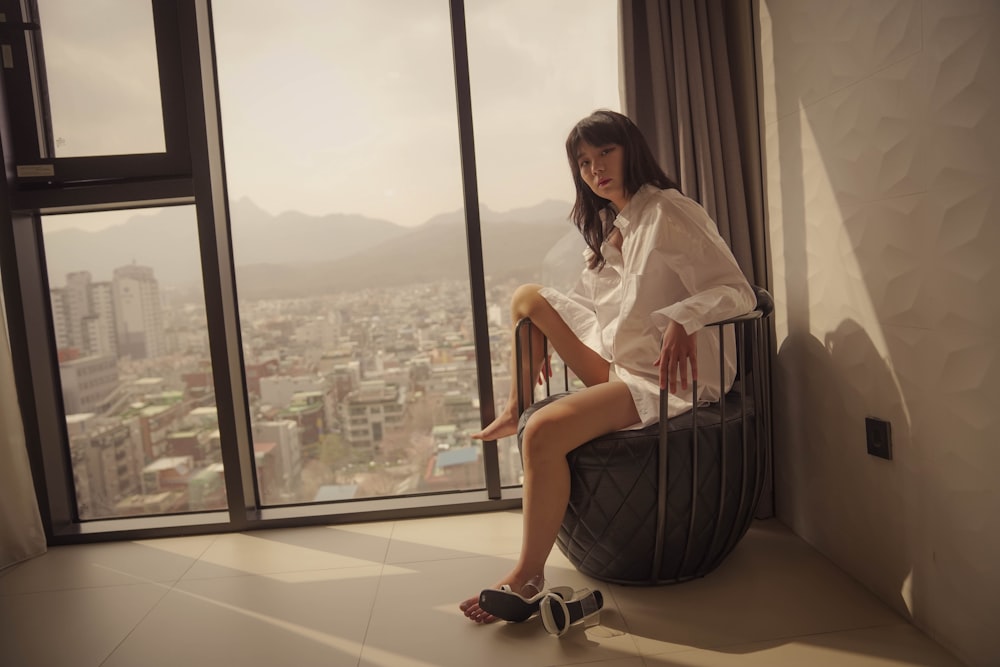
560 607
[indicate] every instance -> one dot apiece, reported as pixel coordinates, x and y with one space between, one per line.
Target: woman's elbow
747 298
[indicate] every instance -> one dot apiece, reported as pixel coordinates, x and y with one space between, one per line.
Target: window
342 152
349 368
100 101
531 82
110 106
134 363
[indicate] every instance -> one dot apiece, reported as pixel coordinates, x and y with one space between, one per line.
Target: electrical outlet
879 434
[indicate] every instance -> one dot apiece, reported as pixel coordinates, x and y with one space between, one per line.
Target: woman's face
602 169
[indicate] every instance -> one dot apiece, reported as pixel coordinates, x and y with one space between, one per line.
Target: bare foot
474 612
505 424
529 587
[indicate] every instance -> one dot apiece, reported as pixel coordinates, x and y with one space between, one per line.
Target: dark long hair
601 128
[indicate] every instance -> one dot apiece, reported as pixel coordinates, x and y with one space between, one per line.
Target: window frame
190 172
42 180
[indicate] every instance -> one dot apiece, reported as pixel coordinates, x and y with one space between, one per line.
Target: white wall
882 123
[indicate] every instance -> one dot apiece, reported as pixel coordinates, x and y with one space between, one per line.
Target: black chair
669 502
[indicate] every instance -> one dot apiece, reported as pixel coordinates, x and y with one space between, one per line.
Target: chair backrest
749 354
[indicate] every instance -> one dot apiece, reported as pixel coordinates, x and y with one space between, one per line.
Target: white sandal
559 613
506 604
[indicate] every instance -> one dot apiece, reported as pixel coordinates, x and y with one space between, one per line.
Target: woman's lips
604 181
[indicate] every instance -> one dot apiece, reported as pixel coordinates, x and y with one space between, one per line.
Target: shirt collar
633 208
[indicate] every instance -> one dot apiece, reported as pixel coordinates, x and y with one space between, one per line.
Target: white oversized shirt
673 265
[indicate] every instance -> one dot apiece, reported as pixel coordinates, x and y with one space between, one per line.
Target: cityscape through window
128 314
345 200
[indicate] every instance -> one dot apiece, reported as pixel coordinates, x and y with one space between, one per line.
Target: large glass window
103 83
343 171
536 68
349 241
128 312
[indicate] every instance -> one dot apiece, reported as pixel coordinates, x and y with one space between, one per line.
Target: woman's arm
689 242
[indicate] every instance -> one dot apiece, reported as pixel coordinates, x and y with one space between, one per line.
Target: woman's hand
679 349
546 371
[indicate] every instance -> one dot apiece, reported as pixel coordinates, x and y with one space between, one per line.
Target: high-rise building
77 299
102 337
106 462
88 383
83 316
138 312
60 317
287 455
369 411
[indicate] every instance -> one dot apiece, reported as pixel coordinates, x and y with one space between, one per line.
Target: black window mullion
477 283
211 203
172 95
37 373
17 35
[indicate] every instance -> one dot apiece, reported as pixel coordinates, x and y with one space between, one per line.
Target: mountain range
294 254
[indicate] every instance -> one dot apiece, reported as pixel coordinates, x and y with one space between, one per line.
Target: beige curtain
688 80
21 532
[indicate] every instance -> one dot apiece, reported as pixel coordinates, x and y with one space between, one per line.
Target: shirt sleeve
576 308
689 241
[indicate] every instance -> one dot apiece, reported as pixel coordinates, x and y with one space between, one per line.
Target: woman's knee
540 440
525 300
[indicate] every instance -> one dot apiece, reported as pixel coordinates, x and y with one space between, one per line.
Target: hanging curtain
21 532
688 81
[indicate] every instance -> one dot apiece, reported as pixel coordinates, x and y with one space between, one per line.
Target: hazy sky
349 107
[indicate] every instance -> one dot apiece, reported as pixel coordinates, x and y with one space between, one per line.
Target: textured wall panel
835 44
882 142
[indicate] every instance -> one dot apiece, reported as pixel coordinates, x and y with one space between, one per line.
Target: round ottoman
637 516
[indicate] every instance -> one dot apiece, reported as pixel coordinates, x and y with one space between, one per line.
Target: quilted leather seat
653 507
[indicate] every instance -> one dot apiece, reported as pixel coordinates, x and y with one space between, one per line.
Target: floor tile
387 594
886 646
111 564
772 586
456 537
617 662
71 627
190 547
416 623
293 549
256 621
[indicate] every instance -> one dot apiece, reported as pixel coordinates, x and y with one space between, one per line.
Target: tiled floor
386 594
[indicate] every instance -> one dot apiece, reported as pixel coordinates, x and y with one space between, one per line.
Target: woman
656 272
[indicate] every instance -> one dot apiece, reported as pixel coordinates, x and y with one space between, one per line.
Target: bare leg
551 433
586 364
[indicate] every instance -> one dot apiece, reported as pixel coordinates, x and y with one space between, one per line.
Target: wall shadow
828 487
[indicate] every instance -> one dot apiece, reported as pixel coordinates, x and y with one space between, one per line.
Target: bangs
596 131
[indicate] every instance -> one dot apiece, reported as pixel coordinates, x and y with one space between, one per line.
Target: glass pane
530 84
346 203
129 318
103 83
